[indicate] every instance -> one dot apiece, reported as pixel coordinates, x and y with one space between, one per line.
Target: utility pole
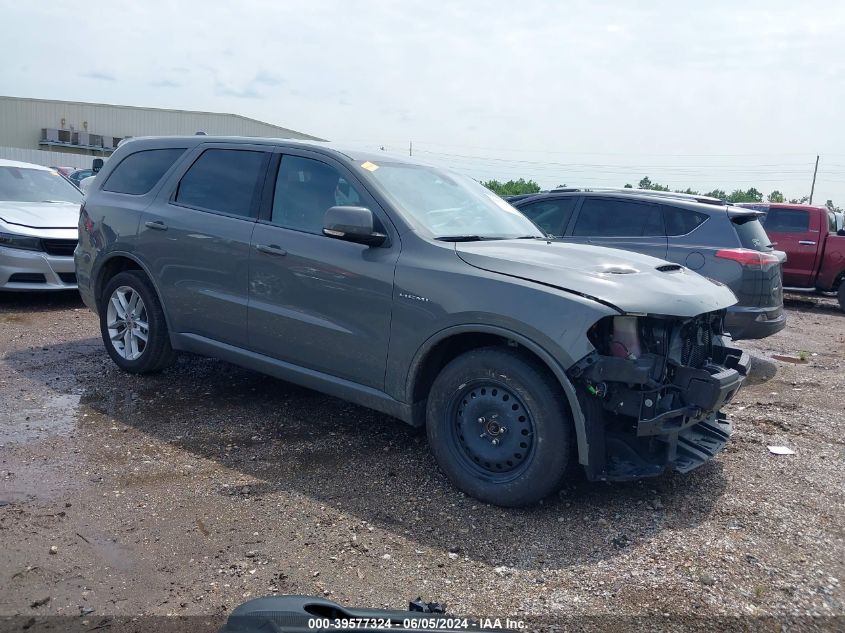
815 171
411 149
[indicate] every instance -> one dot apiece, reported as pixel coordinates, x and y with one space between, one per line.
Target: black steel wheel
493 431
499 426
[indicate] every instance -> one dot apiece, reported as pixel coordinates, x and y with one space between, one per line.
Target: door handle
806 242
158 225
271 249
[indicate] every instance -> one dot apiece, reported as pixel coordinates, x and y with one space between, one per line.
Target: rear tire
499 427
841 295
132 324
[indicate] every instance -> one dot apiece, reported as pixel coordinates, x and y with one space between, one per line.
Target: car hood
40 215
628 281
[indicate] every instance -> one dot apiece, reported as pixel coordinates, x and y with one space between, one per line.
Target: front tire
132 324
841 295
499 427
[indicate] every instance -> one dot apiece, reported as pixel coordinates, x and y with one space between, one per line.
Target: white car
86 182
39 213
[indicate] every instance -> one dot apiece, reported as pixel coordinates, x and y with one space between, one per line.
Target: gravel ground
192 491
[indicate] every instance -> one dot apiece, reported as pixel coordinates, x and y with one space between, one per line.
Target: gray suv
416 292
717 240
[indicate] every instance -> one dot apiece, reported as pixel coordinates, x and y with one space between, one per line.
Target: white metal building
70 133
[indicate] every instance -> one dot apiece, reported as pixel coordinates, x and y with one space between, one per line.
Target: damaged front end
651 393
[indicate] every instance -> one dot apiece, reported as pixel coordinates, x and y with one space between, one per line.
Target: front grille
696 343
28 278
60 248
68 278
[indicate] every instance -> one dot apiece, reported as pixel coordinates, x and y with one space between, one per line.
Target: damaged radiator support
659 406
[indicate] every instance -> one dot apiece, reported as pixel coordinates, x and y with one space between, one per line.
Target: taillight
86 220
747 257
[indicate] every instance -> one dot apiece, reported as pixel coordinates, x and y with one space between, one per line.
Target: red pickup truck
813 242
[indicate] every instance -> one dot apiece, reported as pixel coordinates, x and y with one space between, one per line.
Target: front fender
548 360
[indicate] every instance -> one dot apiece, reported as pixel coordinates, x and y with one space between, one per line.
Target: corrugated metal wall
21 121
48 159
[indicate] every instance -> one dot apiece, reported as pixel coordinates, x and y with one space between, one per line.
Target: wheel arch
447 344
119 262
837 281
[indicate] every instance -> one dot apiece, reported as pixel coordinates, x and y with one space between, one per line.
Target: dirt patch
195 490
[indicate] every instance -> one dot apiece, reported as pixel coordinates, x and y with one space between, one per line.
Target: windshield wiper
460 238
481 238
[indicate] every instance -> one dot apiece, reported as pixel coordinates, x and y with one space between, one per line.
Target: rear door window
138 173
550 215
787 221
223 180
608 217
682 221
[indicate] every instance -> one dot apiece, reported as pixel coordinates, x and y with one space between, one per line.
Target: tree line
522 186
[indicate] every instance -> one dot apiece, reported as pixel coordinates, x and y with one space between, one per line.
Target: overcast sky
704 94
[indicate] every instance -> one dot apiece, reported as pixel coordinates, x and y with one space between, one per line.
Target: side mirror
97 165
352 224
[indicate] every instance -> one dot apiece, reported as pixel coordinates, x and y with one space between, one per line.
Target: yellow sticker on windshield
369 166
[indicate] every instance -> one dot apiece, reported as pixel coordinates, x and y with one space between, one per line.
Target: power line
596 174
579 152
588 153
752 167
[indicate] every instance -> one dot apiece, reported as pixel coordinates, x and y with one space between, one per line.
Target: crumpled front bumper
704 391
641 429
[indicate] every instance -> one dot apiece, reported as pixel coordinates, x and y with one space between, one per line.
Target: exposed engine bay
654 386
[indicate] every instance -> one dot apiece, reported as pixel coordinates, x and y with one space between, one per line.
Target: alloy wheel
127 323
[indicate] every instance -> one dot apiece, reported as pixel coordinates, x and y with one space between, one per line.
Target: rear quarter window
682 221
138 173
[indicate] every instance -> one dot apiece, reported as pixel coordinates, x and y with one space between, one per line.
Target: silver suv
414 291
717 240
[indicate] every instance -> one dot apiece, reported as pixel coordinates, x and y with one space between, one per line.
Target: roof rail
650 192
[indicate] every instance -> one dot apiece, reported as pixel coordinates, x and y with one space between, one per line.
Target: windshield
36 185
450 205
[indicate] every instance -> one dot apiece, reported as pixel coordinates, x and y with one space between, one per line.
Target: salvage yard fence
47 158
